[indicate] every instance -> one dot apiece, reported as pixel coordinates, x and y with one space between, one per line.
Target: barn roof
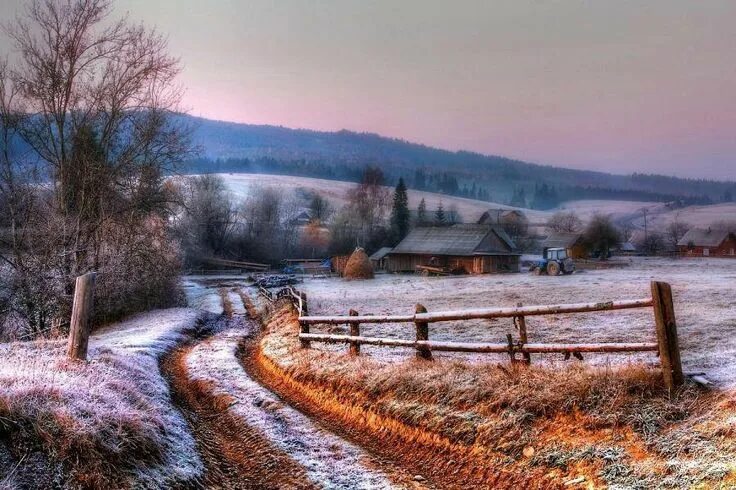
380 253
703 237
460 239
561 240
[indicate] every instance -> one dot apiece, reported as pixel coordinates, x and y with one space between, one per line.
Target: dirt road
249 438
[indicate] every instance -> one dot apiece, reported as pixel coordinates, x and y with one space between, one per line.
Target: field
704 304
659 215
335 191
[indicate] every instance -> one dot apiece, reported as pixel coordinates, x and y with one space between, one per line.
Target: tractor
554 263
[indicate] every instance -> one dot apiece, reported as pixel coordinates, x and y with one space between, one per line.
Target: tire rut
235 455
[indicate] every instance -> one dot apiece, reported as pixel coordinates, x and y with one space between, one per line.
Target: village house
572 242
707 242
461 248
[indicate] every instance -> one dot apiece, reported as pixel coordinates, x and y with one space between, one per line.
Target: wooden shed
468 248
572 242
700 242
379 259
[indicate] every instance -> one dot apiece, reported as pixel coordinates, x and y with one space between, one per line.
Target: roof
494 215
701 237
380 253
627 247
460 239
561 240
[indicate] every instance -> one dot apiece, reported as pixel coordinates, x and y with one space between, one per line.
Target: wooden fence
660 301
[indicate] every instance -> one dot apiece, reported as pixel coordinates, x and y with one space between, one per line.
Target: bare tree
565 222
675 231
92 102
369 203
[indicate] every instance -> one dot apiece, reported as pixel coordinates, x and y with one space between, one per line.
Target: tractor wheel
553 269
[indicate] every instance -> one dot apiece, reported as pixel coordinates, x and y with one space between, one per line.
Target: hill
341 155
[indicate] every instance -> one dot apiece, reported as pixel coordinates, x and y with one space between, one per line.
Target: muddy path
235 455
249 438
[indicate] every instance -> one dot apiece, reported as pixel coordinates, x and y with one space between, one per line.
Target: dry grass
358 266
614 425
106 423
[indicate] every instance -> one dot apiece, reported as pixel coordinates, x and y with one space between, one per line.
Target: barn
707 242
470 248
572 242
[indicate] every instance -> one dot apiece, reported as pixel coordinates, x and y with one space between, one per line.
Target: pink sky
619 86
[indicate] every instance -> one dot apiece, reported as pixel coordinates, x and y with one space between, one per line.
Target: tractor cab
555 262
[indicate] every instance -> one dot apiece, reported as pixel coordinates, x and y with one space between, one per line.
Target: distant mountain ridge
229 146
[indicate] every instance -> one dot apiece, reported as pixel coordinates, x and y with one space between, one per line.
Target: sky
620 86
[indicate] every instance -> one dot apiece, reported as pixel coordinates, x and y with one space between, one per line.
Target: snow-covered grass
106 423
241 185
705 306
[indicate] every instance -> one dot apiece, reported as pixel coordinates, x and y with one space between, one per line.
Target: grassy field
704 302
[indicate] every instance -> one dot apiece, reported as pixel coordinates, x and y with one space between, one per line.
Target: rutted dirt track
249 438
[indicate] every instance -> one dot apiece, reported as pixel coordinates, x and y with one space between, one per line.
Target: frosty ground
705 305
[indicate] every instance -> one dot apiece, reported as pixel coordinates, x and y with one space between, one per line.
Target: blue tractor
555 261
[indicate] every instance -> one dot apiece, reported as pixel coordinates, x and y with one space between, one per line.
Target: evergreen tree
422 213
439 216
400 213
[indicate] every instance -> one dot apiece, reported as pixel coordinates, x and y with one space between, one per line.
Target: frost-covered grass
615 425
106 423
705 306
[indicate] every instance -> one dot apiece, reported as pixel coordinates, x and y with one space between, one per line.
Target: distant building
470 248
700 242
301 218
379 259
572 242
500 216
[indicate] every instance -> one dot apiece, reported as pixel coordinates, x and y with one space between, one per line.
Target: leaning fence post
79 329
354 332
669 350
521 322
423 352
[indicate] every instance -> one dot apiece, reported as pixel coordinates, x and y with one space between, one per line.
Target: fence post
79 329
669 350
305 309
521 322
354 332
422 334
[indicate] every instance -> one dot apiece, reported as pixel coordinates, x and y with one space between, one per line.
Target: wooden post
354 332
669 350
304 328
305 310
521 322
84 291
422 334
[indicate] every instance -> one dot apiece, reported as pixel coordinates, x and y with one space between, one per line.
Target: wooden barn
700 242
469 248
572 242
379 259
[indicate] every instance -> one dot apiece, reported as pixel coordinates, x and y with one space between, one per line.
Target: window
706 252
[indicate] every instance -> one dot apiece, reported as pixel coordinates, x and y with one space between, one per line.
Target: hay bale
359 266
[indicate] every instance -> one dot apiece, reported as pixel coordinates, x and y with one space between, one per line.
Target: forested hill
232 147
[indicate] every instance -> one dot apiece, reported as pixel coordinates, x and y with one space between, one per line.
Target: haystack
359 266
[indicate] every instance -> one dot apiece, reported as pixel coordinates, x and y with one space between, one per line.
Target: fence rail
661 302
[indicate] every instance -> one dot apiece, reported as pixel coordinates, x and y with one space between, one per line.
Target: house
470 248
301 218
572 242
502 217
707 242
379 259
